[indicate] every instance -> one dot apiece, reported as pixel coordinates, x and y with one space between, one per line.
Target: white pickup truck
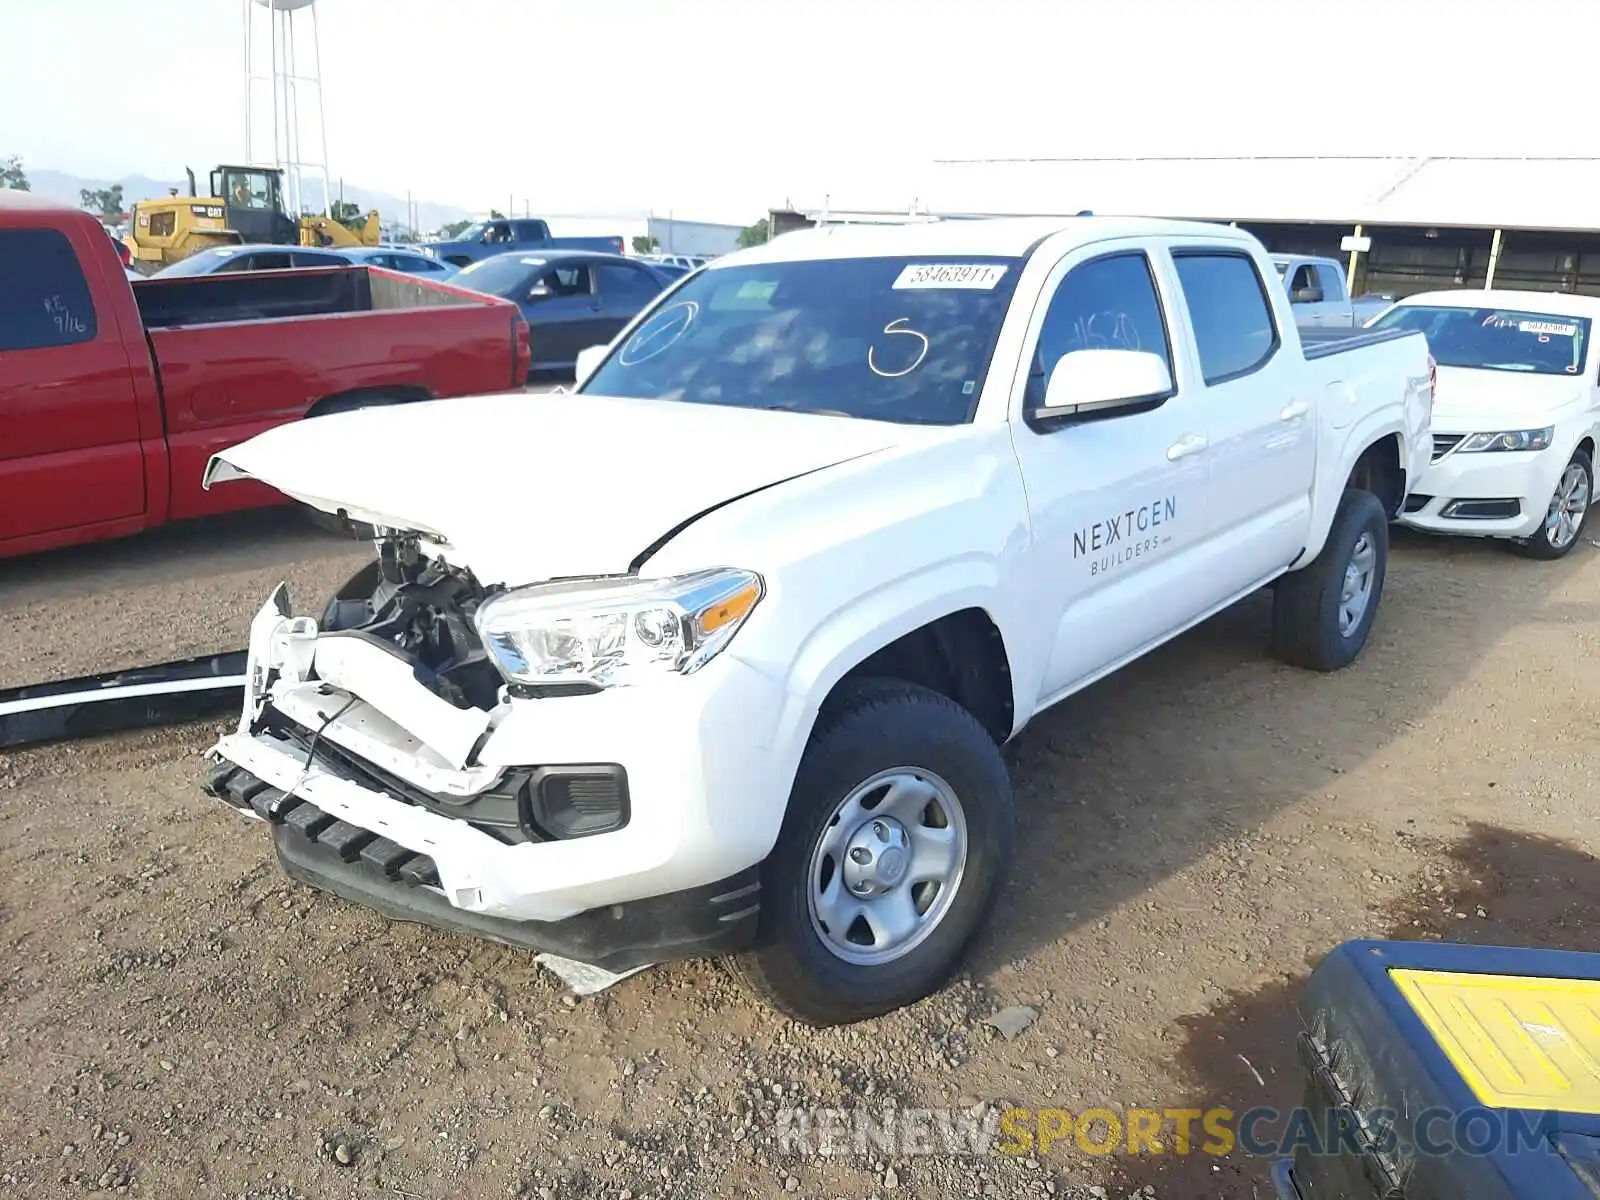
716 654
1318 294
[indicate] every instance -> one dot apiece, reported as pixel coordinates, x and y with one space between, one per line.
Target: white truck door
1335 300
1118 503
1260 407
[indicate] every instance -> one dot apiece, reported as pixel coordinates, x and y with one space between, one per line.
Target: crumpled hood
523 487
1465 399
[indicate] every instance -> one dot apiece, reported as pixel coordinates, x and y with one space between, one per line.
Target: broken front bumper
383 793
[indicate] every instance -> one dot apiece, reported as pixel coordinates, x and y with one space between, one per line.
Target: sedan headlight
618 631
1514 439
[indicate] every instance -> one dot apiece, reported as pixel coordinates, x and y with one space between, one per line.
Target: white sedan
1516 415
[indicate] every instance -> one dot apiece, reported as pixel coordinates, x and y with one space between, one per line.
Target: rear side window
1105 304
625 283
1233 327
44 298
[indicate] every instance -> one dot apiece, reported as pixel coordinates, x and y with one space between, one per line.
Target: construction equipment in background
245 204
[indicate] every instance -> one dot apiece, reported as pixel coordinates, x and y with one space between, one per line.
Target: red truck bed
114 395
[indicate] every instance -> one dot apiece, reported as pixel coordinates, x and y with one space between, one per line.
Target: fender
1325 500
847 636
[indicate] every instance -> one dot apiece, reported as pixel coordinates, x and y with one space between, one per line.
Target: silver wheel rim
1567 507
887 866
1356 594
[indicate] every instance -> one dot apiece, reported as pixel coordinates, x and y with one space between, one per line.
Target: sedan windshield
886 339
1496 339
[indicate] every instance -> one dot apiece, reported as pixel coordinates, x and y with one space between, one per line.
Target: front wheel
1322 613
897 835
1563 520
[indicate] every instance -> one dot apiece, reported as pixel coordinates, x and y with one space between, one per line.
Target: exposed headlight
616 632
1515 439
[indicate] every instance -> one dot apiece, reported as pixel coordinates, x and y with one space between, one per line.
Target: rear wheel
1322 613
897 835
1563 519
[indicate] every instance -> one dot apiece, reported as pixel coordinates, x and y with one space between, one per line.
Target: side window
300 260
44 298
569 281
268 262
1304 277
531 231
1228 308
1107 304
624 283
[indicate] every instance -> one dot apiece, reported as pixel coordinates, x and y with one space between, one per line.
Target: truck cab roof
1007 237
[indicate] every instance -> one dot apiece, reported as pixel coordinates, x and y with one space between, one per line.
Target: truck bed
236 354
276 295
1321 343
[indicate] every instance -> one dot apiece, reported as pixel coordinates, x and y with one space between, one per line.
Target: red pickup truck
113 395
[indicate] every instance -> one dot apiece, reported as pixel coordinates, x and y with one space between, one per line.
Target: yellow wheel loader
245 205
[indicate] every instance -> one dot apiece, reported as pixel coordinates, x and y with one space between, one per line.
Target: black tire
1539 544
875 726
1306 603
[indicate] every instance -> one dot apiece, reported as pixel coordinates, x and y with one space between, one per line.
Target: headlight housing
1513 439
615 632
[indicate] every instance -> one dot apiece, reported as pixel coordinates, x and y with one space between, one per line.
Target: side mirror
539 291
1098 381
1306 295
588 360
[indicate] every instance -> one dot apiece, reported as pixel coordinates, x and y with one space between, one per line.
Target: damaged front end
362 743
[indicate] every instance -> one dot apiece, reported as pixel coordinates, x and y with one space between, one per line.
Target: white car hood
1469 401
523 487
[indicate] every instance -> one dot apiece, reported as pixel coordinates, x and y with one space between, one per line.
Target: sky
721 109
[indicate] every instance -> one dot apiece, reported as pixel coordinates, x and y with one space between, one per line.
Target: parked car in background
1318 294
487 239
113 393
124 255
570 298
406 259
717 654
1516 419
284 258
685 262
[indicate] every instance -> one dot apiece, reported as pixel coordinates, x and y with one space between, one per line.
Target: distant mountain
59 186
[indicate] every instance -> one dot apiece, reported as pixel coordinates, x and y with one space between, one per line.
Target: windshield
471 233
1497 339
886 339
501 275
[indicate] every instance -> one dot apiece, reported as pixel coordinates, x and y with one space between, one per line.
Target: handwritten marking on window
64 319
659 333
893 330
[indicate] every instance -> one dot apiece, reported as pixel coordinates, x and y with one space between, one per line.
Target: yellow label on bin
1518 1041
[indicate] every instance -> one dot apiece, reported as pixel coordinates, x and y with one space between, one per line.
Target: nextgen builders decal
1125 536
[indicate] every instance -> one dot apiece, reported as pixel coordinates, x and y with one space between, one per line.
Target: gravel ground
180 1020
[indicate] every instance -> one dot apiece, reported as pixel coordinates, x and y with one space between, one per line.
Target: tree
348 213
107 202
645 244
452 230
755 235
496 215
12 175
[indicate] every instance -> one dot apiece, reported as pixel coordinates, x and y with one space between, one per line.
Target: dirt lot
179 1020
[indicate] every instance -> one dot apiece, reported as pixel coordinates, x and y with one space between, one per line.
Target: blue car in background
488 239
572 299
283 258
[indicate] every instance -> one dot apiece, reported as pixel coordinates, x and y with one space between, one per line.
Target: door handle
1189 443
1294 410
